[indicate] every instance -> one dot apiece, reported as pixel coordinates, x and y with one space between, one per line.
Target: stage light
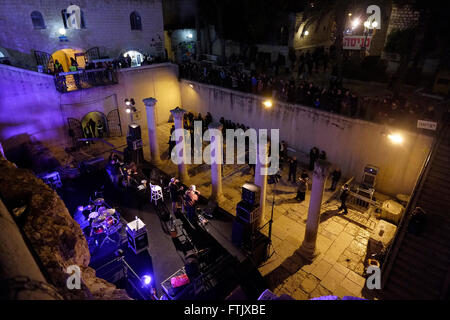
374 24
127 102
147 279
306 32
128 110
190 36
80 208
268 103
62 31
395 138
366 24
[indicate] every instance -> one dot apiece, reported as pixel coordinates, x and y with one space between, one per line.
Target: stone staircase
421 267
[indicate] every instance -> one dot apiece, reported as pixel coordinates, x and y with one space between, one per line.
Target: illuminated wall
107 26
349 143
30 106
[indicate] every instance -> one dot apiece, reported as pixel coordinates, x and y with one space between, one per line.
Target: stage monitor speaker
134 131
242 232
248 212
251 193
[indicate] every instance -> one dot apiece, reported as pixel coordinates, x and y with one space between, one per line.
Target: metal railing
402 226
83 79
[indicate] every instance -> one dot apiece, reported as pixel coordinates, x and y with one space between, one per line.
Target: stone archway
92 126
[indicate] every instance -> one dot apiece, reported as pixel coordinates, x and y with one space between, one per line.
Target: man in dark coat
343 198
91 123
313 156
292 169
335 177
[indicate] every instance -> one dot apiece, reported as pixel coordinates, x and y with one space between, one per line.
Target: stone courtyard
341 241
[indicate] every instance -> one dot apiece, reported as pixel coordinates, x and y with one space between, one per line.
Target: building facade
114 27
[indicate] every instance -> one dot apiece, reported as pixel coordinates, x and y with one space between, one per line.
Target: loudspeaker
251 193
242 232
134 131
248 212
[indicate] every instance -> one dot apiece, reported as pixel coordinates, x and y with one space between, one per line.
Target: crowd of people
333 98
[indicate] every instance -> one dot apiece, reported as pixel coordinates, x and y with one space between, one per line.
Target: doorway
94 125
136 57
65 56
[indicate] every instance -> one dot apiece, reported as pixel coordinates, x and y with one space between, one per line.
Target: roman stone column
180 148
152 130
216 162
261 170
308 247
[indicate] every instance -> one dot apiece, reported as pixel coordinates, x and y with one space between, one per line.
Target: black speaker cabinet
134 131
251 193
248 212
242 232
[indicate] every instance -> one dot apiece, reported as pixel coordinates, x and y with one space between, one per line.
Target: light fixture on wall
395 138
306 33
268 103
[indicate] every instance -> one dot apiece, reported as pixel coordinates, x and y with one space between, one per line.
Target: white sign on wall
428 125
73 17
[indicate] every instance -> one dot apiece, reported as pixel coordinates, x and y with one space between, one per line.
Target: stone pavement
342 239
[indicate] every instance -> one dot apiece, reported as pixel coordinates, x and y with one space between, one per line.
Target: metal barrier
361 203
83 79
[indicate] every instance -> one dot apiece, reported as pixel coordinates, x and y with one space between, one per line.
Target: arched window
135 21
38 20
65 17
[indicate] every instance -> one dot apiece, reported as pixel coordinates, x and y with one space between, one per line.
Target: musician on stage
190 202
175 190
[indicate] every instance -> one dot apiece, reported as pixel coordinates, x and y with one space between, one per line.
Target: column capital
321 168
150 102
215 125
178 112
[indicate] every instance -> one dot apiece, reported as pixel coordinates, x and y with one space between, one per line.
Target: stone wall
31 108
107 27
55 237
349 143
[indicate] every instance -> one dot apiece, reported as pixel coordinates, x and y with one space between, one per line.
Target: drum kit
103 219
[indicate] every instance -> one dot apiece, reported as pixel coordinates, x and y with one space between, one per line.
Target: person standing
100 128
313 156
335 177
343 198
292 169
301 190
190 202
91 124
175 189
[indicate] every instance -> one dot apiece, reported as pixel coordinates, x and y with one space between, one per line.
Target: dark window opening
38 20
135 21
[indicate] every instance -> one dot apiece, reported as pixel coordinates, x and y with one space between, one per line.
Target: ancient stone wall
54 235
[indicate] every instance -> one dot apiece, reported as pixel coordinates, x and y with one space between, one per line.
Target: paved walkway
342 239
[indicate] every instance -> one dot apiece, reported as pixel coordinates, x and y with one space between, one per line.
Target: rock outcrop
55 237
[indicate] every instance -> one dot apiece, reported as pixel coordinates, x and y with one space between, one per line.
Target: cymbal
99 201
